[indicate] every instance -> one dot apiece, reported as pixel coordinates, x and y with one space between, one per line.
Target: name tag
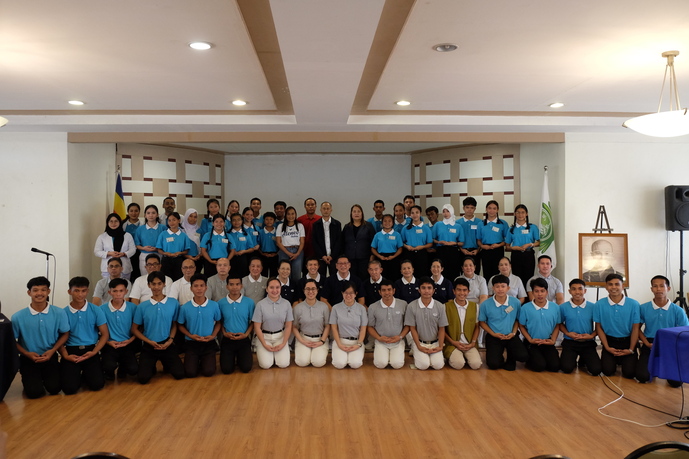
419 231
170 239
225 241
496 229
242 239
255 233
453 230
473 227
509 309
272 238
392 238
398 312
435 314
525 231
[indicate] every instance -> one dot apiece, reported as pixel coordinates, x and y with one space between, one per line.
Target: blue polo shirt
253 234
199 319
206 226
577 319
470 229
387 242
377 224
417 235
157 317
448 233
617 319
236 315
520 235
540 322
500 318
83 324
267 240
217 245
399 226
492 232
656 318
119 320
145 235
258 222
239 240
173 242
39 331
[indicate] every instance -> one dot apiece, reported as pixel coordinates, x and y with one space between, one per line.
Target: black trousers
89 371
200 356
524 265
239 265
642 373
123 358
37 378
391 268
542 357
490 259
172 267
149 358
419 260
270 266
235 353
585 350
516 352
452 260
609 362
209 269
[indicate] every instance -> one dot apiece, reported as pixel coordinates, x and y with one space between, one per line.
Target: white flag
547 230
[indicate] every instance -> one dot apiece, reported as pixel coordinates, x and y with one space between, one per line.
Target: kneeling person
580 334
236 310
462 330
539 322
199 322
427 320
311 328
121 348
386 326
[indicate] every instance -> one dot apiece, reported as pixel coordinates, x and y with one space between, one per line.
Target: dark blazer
318 238
359 246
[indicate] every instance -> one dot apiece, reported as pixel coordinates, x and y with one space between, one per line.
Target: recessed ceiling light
75 102
238 102
403 103
445 47
556 105
201 45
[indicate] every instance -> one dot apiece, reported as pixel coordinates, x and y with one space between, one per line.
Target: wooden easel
602 220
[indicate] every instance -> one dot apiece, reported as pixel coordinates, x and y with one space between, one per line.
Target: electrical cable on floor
622 396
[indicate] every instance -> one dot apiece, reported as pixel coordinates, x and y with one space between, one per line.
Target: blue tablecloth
670 354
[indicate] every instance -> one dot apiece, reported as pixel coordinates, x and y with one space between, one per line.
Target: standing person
656 314
427 320
327 240
254 285
311 328
349 320
173 245
469 224
217 284
387 247
140 291
491 239
556 291
40 330
279 210
268 248
400 217
199 322
250 225
146 236
443 286
169 206
539 322
307 220
88 333
417 240
181 288
409 201
215 245
130 224
115 243
273 325
617 321
290 239
478 289
191 228
448 237
386 327
516 287
498 317
100 293
461 333
406 287
255 205
332 289
232 208
155 323
432 214
521 240
243 243
357 236
579 332
212 209
377 219
235 347
119 352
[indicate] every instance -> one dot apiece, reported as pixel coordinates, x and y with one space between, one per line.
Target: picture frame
601 254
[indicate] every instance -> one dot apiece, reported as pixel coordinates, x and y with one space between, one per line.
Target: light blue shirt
39 331
656 318
500 317
119 320
199 319
83 324
617 319
540 322
148 236
236 315
492 232
577 319
387 242
157 317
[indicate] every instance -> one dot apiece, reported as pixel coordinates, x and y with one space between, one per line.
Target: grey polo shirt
217 288
102 290
256 290
272 316
554 285
427 320
311 320
349 319
387 320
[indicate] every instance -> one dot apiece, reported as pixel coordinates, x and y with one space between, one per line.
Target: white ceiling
333 66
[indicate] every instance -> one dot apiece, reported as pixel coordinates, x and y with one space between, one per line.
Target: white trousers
423 361
341 358
384 356
459 358
266 358
304 355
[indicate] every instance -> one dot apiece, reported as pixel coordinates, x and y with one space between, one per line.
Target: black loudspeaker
677 207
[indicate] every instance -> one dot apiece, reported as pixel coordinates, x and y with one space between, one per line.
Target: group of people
253 296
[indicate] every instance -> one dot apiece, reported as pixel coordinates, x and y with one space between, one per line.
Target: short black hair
500 279
269 215
117 259
79 281
200 277
576 281
432 209
37 282
614 276
538 282
379 201
461 281
425 280
155 275
117 282
279 203
663 278
469 202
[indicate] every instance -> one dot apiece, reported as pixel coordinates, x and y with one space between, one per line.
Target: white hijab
451 219
191 230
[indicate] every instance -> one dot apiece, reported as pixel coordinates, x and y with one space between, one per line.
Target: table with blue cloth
670 354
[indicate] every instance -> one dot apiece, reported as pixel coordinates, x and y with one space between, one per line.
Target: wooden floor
319 413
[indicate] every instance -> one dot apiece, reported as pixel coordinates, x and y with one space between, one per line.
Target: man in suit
326 240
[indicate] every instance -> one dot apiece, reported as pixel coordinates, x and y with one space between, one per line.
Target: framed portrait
601 254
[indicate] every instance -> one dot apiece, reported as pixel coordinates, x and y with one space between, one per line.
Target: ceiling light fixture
200 45
75 102
238 103
403 103
671 123
445 47
556 105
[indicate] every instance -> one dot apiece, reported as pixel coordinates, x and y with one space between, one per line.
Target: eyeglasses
152 264
310 289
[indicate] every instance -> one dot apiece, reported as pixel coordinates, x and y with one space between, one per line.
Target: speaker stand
681 300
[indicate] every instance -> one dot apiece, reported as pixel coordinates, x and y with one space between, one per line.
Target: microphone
34 249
